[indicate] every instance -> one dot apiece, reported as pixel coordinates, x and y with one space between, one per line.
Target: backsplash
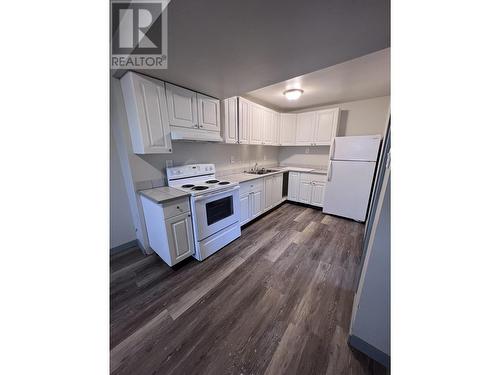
228 159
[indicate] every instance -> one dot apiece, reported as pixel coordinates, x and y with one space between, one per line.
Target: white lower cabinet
293 186
251 200
273 188
245 209
306 188
170 229
317 193
180 237
259 195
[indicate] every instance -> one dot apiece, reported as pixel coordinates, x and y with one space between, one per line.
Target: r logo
136 28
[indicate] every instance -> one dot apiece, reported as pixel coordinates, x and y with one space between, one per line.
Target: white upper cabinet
256 125
208 113
182 106
305 128
230 109
244 121
193 116
269 127
326 126
146 108
317 128
250 123
287 129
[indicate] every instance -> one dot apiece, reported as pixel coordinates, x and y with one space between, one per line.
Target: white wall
362 117
316 156
121 226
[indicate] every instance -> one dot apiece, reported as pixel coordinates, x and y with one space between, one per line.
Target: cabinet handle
178 208
201 126
189 215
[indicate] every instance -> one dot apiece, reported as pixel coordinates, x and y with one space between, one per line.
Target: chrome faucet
254 169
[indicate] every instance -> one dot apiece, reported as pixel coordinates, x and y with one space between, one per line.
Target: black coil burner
211 181
187 186
200 188
224 183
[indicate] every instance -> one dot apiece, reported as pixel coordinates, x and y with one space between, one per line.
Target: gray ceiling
361 78
229 47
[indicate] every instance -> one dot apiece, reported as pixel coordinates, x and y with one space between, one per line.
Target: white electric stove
215 206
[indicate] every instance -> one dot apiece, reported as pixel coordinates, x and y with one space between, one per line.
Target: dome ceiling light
293 94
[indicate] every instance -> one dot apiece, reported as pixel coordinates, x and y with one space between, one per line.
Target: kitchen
203 175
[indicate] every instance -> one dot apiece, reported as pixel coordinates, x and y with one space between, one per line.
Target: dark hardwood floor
277 300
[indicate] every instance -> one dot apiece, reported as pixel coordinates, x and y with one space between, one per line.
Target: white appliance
215 206
350 175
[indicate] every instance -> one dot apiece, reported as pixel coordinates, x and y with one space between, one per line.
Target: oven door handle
205 196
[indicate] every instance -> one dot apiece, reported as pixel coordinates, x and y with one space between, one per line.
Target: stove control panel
190 170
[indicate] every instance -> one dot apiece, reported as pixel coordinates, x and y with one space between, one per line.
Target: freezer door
348 190
362 148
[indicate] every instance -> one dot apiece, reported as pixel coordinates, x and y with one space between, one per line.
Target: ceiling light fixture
293 94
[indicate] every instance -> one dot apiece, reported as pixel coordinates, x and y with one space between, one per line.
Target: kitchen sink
262 171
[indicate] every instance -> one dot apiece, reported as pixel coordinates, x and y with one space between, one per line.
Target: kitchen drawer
309 177
176 207
251 186
318 177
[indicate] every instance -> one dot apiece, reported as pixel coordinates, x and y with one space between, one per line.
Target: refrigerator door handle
329 174
332 148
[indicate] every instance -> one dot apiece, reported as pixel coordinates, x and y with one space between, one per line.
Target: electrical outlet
265 157
307 150
170 163
232 159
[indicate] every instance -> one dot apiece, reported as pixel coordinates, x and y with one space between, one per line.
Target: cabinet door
244 121
208 113
182 106
293 186
317 193
305 128
146 107
257 118
326 126
277 188
276 128
245 208
268 188
268 127
180 237
288 128
305 188
257 198
230 120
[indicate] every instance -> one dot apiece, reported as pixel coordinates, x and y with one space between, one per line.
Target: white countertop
163 194
242 177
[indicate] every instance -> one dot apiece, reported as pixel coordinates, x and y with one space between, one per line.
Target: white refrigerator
351 170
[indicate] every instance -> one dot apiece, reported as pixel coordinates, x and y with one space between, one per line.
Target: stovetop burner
224 183
211 181
187 186
199 188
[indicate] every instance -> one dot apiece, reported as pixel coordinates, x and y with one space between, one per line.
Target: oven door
216 211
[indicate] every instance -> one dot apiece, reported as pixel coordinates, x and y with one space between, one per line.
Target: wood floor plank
277 300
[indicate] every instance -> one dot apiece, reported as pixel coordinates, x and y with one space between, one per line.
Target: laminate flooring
277 300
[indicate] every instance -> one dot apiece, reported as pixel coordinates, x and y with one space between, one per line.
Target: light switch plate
170 163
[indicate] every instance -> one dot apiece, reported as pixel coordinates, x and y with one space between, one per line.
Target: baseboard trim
123 247
369 350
